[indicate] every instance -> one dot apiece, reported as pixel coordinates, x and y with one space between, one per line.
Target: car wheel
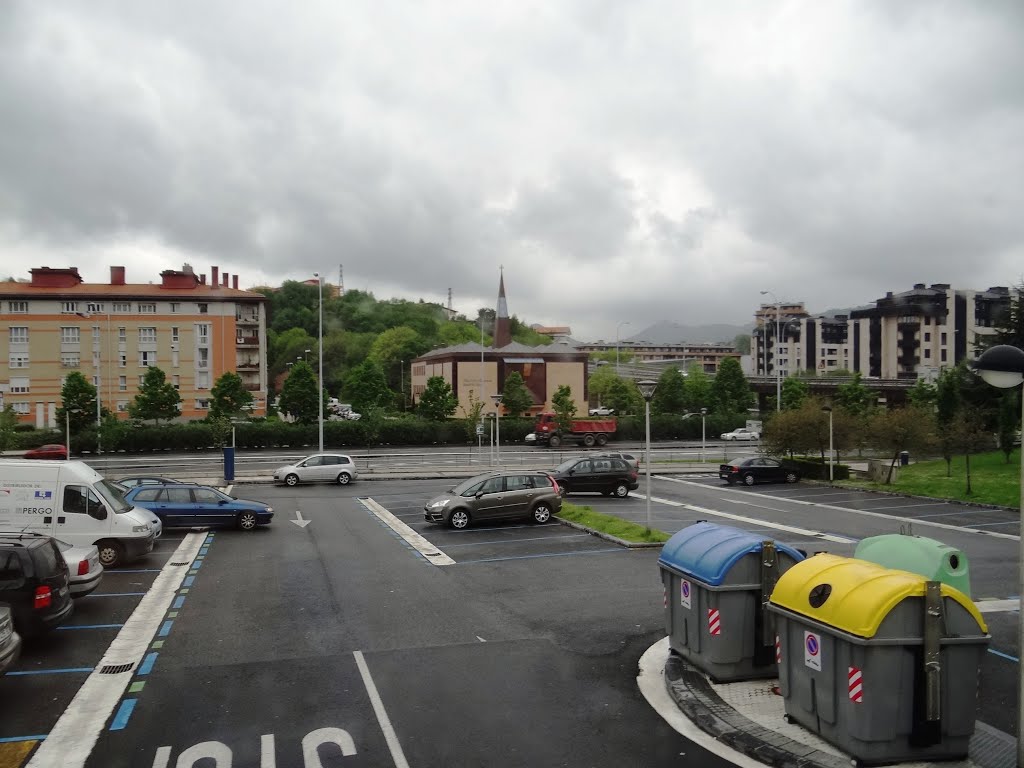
748 479
291 479
602 440
792 477
621 490
247 521
588 440
111 553
459 519
554 441
541 513
344 478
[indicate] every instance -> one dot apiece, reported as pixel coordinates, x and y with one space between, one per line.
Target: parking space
53 667
493 542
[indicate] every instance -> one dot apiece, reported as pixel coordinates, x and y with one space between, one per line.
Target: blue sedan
187 505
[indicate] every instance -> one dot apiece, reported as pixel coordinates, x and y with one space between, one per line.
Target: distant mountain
674 333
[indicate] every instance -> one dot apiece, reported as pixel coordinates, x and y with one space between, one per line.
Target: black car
757 469
599 474
34 582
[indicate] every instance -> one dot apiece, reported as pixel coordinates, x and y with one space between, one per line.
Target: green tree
624 397
922 394
670 396
947 404
394 346
565 408
437 401
157 399
697 392
900 429
516 398
730 391
8 422
78 400
969 436
229 397
299 394
1009 421
794 393
366 388
601 382
454 333
854 398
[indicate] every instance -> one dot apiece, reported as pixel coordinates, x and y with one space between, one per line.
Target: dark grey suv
496 496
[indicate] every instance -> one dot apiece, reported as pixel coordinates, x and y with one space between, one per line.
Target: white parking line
382 716
430 553
997 606
850 510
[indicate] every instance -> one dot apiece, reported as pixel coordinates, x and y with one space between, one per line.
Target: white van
71 501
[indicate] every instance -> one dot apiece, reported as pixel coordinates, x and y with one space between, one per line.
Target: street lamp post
497 427
1003 366
703 434
647 388
401 381
320 350
624 322
831 453
775 362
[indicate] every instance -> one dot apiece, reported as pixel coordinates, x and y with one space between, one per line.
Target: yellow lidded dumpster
881 663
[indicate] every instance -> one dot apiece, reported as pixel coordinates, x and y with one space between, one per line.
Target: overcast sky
625 161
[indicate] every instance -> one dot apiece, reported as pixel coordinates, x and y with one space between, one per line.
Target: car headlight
140 528
270 509
441 504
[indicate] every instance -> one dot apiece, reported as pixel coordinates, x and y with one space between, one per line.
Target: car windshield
565 466
113 495
461 488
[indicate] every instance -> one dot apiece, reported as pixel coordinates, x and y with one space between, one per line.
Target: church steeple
502 326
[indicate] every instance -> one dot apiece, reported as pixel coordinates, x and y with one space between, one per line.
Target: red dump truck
589 432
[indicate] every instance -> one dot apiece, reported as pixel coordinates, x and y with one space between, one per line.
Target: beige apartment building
192 330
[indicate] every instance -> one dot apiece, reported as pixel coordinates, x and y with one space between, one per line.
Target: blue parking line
188 581
147 663
1002 655
64 671
197 565
115 594
165 630
91 626
123 713
15 739
531 557
180 601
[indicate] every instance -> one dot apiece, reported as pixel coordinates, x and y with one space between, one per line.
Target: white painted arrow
299 521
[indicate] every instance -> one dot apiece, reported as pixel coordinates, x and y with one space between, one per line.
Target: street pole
67 431
497 427
320 387
831 453
647 388
703 434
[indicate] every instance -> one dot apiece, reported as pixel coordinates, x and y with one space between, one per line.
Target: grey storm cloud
646 161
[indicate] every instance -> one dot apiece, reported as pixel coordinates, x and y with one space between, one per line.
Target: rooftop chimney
117 275
234 282
214 276
202 279
224 277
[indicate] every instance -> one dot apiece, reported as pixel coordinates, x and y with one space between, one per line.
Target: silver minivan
318 468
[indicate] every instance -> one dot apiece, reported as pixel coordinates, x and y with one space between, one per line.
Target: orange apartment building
192 330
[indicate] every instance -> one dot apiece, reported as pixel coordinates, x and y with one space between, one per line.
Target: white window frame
19 334
147 309
19 385
17 307
147 358
18 360
147 335
69 307
22 409
70 360
122 383
121 307
70 334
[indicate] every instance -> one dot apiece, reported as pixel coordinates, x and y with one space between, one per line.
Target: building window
174 359
122 406
122 360
174 333
122 383
175 307
203 380
202 404
93 307
203 360
19 334
176 381
122 307
122 335
70 361
70 335
142 380
147 335
147 309
202 334
22 409
204 308
19 385
943 358
17 307
69 307
927 354
17 361
927 336
146 359
943 339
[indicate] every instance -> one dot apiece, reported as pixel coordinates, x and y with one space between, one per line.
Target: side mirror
479 494
221 501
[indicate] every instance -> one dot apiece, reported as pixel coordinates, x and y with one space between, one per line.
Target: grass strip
613 526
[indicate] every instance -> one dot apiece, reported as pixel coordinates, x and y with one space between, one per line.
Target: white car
84 567
741 434
318 468
602 411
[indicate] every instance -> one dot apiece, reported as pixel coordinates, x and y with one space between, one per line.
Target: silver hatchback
318 468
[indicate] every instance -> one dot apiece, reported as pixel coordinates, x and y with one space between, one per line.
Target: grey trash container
717 581
881 663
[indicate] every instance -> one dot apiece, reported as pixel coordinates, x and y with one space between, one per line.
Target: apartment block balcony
247 341
247 319
247 365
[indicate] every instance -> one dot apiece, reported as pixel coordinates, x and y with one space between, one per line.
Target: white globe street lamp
497 427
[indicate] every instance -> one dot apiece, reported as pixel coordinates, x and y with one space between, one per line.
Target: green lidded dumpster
717 581
918 554
881 663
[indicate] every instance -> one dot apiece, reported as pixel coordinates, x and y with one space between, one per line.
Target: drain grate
116 669
179 563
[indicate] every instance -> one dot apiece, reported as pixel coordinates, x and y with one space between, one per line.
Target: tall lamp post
1003 366
647 388
831 453
775 362
497 427
624 322
703 433
320 350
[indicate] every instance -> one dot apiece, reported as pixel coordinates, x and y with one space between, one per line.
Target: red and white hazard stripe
714 622
855 682
778 650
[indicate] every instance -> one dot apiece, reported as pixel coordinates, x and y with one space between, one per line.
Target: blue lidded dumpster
717 583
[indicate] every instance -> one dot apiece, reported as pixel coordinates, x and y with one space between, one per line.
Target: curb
609 537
